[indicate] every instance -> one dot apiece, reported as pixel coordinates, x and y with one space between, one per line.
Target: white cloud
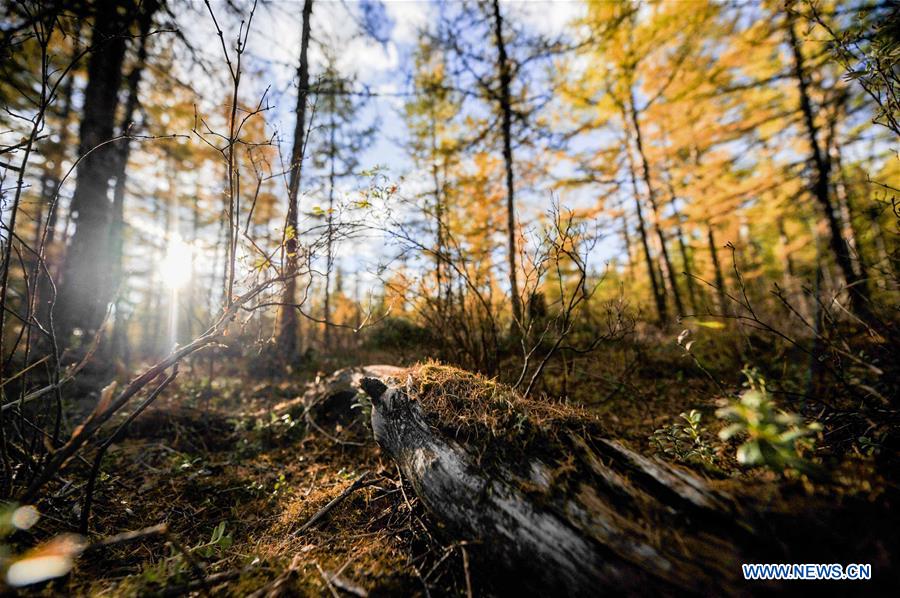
548 17
409 17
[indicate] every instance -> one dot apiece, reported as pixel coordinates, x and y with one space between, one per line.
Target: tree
337 155
498 108
820 187
505 104
85 289
434 147
287 341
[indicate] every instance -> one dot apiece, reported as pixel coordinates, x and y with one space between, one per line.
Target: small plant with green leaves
871 445
774 438
175 567
685 440
218 542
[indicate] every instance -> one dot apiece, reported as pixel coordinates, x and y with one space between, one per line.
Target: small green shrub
685 440
774 438
218 542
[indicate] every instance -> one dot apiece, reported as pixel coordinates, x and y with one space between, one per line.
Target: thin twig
130 536
465 556
357 483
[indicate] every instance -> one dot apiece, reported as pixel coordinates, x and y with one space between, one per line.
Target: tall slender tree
288 330
856 285
337 154
505 105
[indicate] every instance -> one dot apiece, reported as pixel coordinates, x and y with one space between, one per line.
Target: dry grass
491 415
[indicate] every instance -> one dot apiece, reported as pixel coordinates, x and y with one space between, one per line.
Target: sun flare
175 268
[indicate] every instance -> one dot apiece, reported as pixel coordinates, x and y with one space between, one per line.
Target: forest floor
235 478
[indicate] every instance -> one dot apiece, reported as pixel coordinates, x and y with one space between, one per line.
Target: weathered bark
506 113
576 514
288 329
327 403
621 522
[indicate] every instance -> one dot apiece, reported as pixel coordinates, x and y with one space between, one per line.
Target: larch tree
288 329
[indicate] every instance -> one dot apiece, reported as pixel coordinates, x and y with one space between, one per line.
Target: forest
449 297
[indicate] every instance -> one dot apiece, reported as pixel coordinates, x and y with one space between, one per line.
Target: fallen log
553 510
551 505
329 404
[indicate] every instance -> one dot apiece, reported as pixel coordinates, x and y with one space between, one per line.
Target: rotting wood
623 522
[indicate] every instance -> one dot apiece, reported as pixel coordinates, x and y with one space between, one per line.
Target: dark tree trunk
85 290
117 228
506 113
717 267
857 289
656 286
651 195
288 328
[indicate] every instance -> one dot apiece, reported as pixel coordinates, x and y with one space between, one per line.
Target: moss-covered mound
493 417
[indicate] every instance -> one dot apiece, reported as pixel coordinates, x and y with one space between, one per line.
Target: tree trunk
329 241
848 217
658 293
438 217
85 290
856 286
626 240
651 195
287 321
506 113
615 521
50 196
117 228
682 246
717 267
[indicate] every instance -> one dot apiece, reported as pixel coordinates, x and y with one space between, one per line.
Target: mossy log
327 403
552 509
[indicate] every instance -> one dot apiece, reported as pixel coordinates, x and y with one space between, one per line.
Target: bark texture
618 521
